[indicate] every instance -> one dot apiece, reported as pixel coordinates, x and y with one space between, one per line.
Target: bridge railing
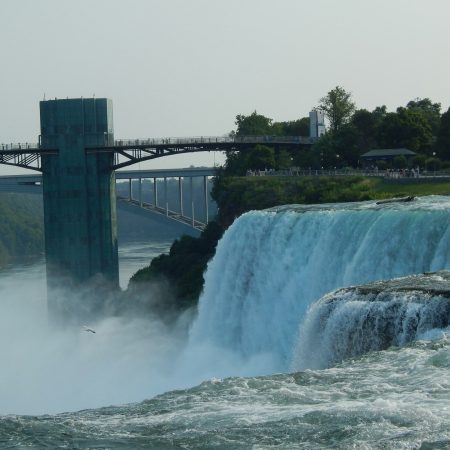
214 139
19 146
196 140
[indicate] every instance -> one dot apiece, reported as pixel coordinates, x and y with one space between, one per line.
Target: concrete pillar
166 203
205 194
79 198
130 193
155 193
140 192
180 194
192 202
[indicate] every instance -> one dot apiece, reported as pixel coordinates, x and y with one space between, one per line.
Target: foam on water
352 321
269 269
399 398
271 265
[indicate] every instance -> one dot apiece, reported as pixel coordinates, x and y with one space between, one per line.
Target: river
284 352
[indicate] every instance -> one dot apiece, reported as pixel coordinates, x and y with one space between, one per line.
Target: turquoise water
266 363
399 398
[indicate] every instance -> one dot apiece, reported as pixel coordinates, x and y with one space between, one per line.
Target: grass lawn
385 189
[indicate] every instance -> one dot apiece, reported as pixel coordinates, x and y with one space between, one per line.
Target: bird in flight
89 330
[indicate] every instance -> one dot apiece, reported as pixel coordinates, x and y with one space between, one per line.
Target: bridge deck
131 151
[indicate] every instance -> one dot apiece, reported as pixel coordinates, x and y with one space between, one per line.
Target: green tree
236 163
348 144
325 150
261 157
298 127
338 107
433 164
400 162
283 159
443 137
307 159
366 124
430 111
405 128
419 161
253 125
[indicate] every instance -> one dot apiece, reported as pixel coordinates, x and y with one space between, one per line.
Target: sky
187 67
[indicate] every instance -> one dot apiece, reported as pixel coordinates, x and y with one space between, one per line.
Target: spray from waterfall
353 321
271 265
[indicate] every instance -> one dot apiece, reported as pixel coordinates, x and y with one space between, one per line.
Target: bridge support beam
166 200
205 193
180 195
155 193
79 201
192 202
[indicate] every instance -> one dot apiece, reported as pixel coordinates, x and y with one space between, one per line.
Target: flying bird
89 330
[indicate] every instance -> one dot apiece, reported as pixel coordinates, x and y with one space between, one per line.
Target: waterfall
353 321
271 265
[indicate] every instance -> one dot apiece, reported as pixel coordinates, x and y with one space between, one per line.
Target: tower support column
79 200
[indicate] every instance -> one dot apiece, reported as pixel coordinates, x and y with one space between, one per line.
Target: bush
400 162
433 164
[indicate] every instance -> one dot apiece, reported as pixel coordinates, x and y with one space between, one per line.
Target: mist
47 368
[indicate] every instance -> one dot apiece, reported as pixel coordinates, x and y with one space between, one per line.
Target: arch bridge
132 151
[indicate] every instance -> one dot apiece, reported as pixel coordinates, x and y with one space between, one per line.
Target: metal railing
19 146
195 140
214 140
388 174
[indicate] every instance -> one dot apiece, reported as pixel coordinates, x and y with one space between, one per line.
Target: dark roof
386 152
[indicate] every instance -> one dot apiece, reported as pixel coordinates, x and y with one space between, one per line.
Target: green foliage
184 266
433 164
366 124
418 161
429 110
283 159
443 137
308 158
261 157
253 125
236 195
406 128
382 164
338 107
298 127
258 125
400 162
21 227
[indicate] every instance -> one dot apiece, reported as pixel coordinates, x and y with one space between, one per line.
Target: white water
270 266
351 322
268 269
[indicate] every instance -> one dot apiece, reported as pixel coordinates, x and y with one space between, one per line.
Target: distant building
316 124
386 154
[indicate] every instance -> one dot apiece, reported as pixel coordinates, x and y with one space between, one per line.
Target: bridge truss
25 155
129 152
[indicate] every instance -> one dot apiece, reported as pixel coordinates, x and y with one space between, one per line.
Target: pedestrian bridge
131 151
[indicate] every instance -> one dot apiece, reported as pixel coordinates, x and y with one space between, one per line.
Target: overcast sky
188 67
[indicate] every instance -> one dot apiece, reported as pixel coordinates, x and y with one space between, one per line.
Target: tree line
21 227
419 126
